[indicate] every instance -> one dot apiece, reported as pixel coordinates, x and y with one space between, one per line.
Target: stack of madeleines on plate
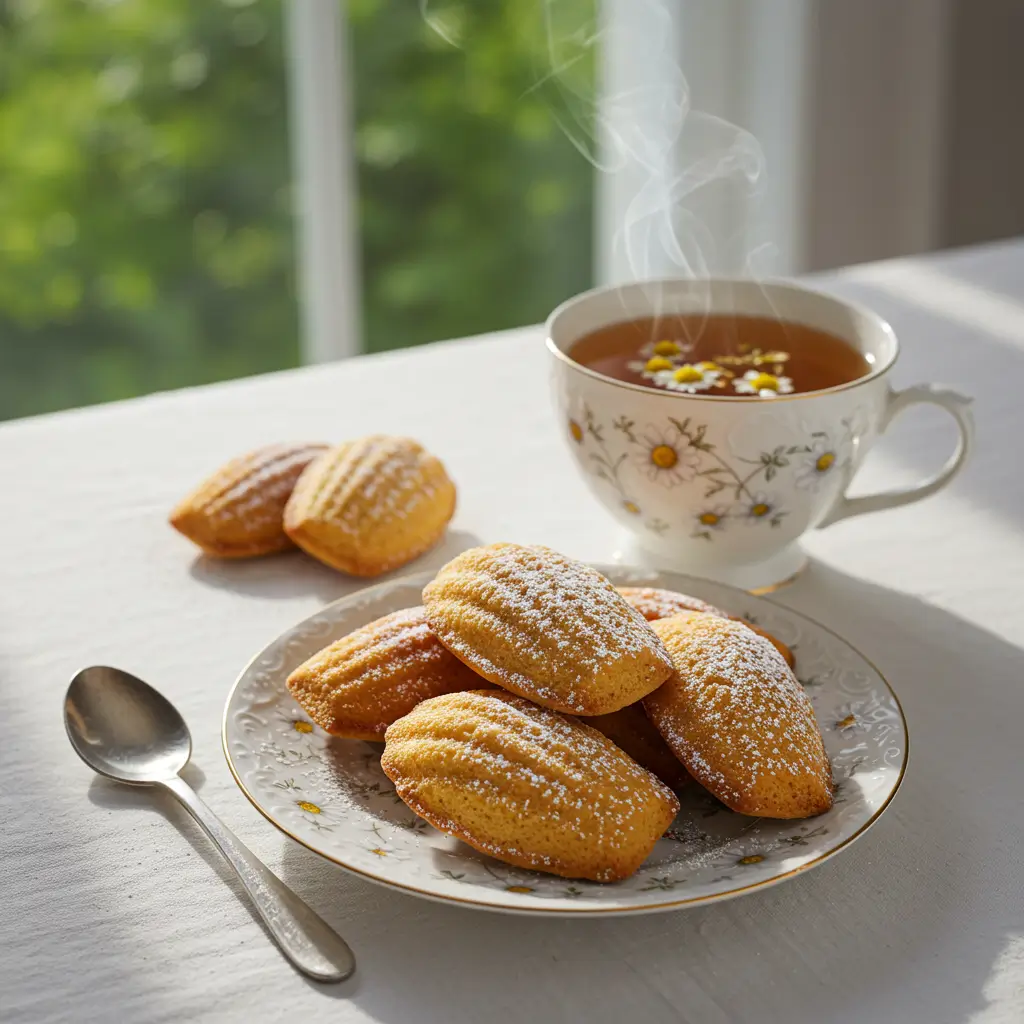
544 717
364 507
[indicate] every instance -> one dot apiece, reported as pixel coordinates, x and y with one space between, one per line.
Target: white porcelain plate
330 794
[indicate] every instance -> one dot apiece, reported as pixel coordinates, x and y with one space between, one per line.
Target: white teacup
724 487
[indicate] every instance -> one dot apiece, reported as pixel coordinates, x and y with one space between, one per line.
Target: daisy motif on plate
819 463
761 508
666 457
756 382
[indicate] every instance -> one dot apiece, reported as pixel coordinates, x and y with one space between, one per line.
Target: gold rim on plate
646 908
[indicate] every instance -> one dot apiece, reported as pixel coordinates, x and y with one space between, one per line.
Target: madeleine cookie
526 785
362 683
631 730
370 505
736 716
654 604
546 627
238 511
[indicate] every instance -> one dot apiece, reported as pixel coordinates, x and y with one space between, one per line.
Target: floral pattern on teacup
665 456
817 464
679 452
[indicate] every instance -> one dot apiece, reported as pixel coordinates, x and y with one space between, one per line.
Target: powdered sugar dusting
370 678
654 603
371 505
734 713
253 489
377 480
532 783
546 626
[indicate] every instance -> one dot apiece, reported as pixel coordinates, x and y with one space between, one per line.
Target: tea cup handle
957 406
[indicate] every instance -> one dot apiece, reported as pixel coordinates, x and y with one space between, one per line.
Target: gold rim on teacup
858 308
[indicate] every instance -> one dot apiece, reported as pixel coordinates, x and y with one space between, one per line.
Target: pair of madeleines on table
365 506
544 717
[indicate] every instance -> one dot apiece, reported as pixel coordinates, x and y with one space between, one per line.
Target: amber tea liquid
722 355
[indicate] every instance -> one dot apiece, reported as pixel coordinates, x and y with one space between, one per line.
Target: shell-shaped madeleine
736 716
238 511
527 785
371 505
546 627
360 684
653 604
631 730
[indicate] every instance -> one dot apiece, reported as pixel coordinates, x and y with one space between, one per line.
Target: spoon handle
305 938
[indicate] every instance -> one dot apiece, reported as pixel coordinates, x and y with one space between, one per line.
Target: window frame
325 183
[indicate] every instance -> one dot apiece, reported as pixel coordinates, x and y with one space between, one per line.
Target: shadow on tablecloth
295 574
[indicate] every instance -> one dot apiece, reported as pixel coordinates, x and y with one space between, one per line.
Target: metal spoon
123 729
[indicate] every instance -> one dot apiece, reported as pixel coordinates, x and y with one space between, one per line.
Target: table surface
116 908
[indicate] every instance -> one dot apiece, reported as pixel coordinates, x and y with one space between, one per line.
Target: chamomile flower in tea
722 356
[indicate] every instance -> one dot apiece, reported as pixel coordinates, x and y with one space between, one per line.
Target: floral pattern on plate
331 795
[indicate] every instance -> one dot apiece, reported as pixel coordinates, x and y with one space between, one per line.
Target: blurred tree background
146 230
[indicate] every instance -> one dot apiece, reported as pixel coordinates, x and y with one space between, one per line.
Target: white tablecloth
115 908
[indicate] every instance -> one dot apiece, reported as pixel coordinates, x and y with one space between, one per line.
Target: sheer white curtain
846 101
676 74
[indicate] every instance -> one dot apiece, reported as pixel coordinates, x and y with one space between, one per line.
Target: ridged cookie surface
362 683
238 511
736 716
546 627
653 603
371 505
527 785
631 730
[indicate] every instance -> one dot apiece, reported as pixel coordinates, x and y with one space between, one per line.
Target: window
147 235
145 207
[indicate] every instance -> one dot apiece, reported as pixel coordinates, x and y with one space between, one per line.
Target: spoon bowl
122 728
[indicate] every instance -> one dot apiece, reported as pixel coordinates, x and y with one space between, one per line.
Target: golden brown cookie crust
739 720
653 604
372 505
526 785
238 511
546 627
360 684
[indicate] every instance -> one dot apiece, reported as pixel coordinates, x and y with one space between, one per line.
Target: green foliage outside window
146 233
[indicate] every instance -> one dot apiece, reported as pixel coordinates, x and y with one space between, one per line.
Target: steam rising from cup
612 81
